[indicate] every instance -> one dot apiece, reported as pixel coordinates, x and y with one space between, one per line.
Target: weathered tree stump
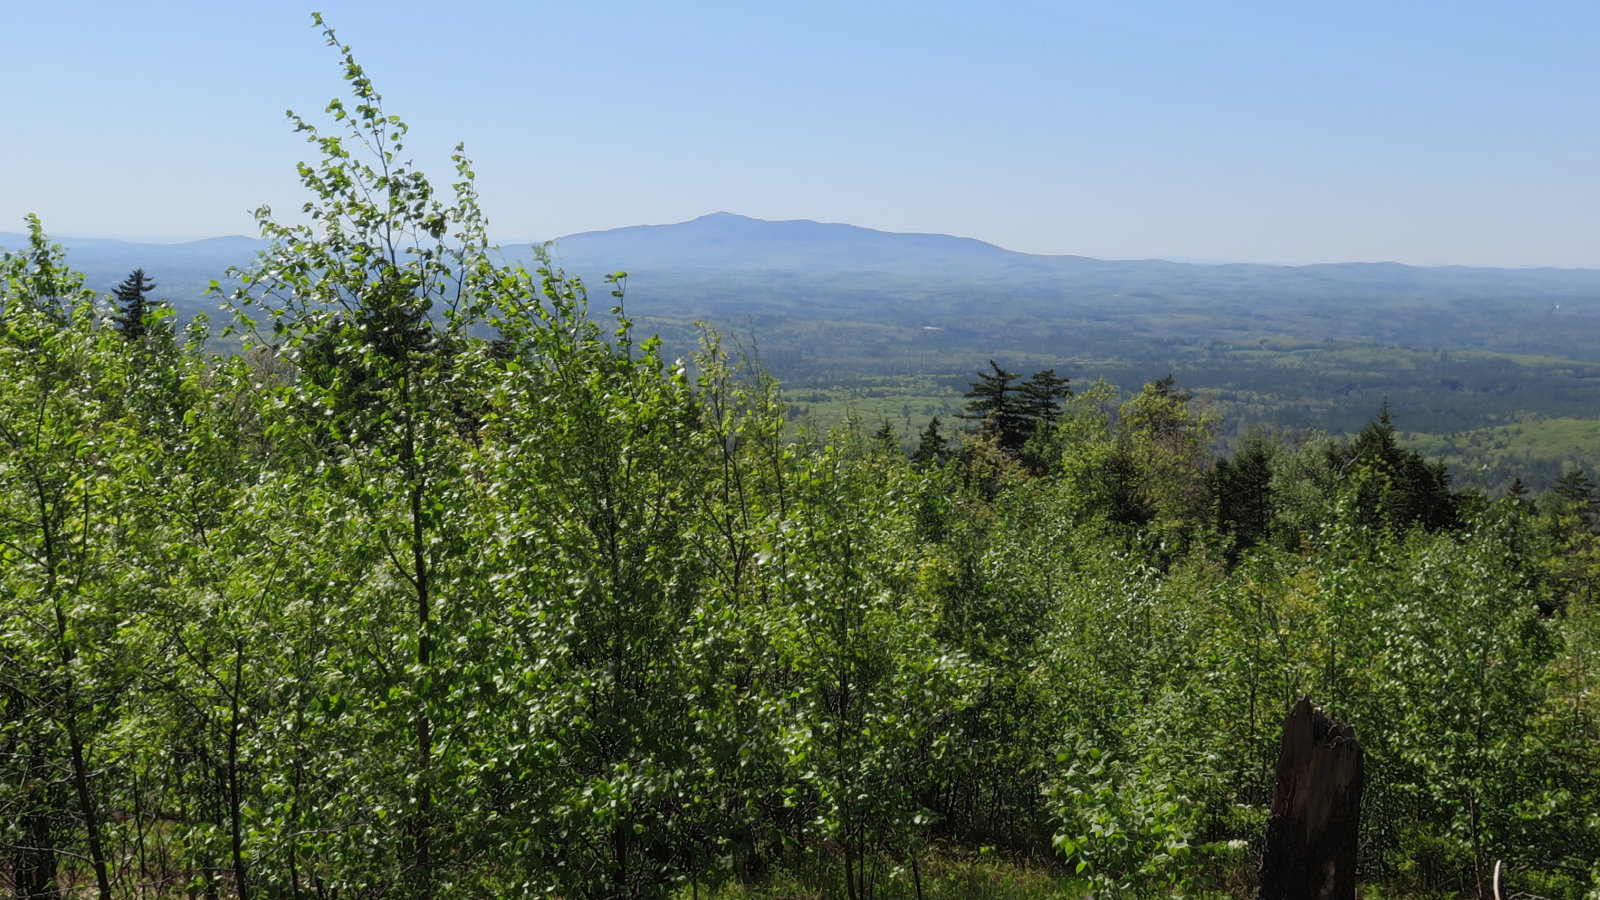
1316 810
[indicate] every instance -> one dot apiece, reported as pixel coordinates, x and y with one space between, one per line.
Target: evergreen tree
884 438
930 447
1578 495
1242 489
994 402
1395 486
132 307
1042 394
1012 412
1569 513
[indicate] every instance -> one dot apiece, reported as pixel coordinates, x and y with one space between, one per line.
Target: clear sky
1424 132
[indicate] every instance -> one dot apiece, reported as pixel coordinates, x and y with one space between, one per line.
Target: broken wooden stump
1316 810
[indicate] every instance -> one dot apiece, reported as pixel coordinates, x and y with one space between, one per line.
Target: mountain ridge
704 242
725 264
725 249
724 221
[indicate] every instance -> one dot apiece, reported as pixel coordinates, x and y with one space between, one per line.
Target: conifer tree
1395 486
1241 489
132 307
930 447
993 402
1579 496
885 439
1011 411
1042 395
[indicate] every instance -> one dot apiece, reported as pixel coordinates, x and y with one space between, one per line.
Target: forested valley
450 585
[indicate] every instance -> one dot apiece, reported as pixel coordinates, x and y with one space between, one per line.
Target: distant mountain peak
733 242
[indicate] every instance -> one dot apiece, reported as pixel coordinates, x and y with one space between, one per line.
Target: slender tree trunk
424 787
1477 847
850 867
1478 862
80 768
139 828
86 808
297 803
45 503
422 827
240 881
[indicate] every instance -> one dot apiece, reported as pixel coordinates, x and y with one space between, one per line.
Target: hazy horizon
1236 132
67 239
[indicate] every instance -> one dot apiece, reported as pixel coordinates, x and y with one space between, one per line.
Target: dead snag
1316 810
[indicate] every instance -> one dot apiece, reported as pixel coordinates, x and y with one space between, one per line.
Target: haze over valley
1492 369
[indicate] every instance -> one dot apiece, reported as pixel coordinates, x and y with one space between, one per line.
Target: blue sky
1423 132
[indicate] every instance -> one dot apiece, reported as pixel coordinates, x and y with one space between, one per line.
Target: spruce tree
994 401
884 438
1012 412
132 307
1042 395
1578 495
930 447
1241 489
1395 486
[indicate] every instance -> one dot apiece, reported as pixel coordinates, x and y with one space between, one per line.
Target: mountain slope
840 265
728 242
736 245
181 271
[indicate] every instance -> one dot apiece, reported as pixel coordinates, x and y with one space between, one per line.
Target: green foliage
1168 441
38 279
450 586
71 466
1123 828
931 446
1394 486
874 693
1462 680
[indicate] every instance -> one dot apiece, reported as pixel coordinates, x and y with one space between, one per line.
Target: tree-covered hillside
448 585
